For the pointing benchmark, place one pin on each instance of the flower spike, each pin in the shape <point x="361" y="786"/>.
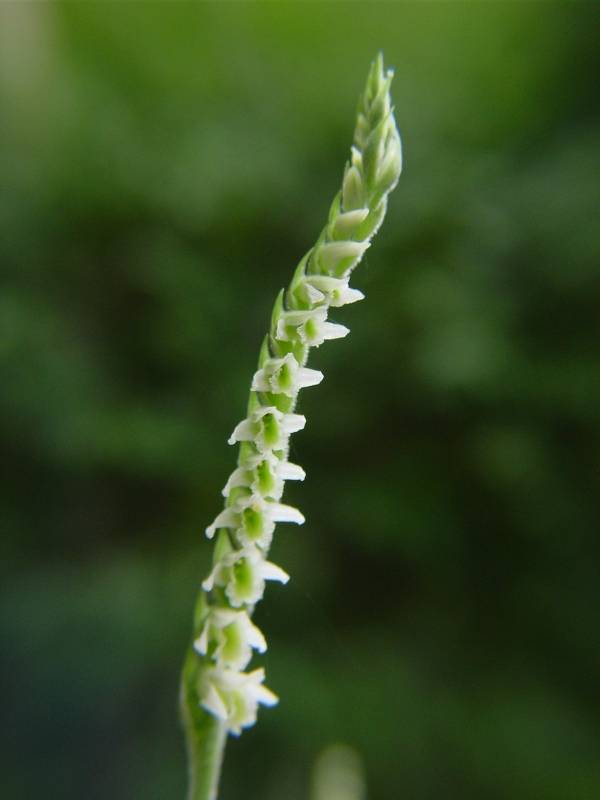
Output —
<point x="225" y="636"/>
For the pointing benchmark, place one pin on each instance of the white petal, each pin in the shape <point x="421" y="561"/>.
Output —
<point x="243" y="432"/>
<point x="265" y="696"/>
<point x="271" y="572"/>
<point x="281" y="332"/>
<point x="253" y="687"/>
<point x="255" y="636"/>
<point x="213" y="703"/>
<point x="208" y="583"/>
<point x="260" y="382"/>
<point x="282" y="513"/>
<point x="313" y="295"/>
<point x="332" y="253"/>
<point x="201" y="643"/>
<point x="239" y="477"/>
<point x="254" y="678"/>
<point x="291" y="423"/>
<point x="332" y="330"/>
<point x="345" y="296"/>
<point x="319" y="314"/>
<point x="309" y="377"/>
<point x="221" y="617"/>
<point x="291" y="472"/>
<point x="325" y="283"/>
<point x="345" y="223"/>
<point x="226" y="519"/>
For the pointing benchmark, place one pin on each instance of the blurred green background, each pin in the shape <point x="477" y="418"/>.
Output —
<point x="164" y="167"/>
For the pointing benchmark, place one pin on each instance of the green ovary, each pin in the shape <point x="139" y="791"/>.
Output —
<point x="232" y="645"/>
<point x="253" y="523"/>
<point x="243" y="576"/>
<point x="270" y="430"/>
<point x="284" y="377"/>
<point x="265" y="477"/>
<point x="310" y="330"/>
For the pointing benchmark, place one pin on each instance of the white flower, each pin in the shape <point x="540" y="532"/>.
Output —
<point x="311" y="327"/>
<point x="284" y="376"/>
<point x="233" y="697"/>
<point x="258" y="518"/>
<point x="269" y="428"/>
<point x="265" y="475"/>
<point x="242" y="573"/>
<point x="253" y="518"/>
<point x="235" y="636"/>
<point x="336" y="290"/>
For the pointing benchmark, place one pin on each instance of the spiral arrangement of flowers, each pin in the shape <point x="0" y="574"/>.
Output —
<point x="225" y="636"/>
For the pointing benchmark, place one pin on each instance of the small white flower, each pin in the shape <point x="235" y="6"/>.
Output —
<point x="234" y="697"/>
<point x="336" y="290"/>
<point x="265" y="475"/>
<point x="284" y="376"/>
<point x="242" y="573"/>
<point x="311" y="327"/>
<point x="258" y="517"/>
<point x="253" y="519"/>
<point x="269" y="428"/>
<point x="235" y="636"/>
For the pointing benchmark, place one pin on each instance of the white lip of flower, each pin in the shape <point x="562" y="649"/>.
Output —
<point x="284" y="376"/>
<point x="243" y="574"/>
<point x="336" y="291"/>
<point x="268" y="428"/>
<point x="264" y="474"/>
<point x="253" y="518"/>
<point x="233" y="697"/>
<point x="235" y="635"/>
<point x="311" y="327"/>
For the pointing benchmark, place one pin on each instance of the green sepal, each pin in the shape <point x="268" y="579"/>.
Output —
<point x="375" y="78"/>
<point x="335" y="208"/>
<point x="371" y="224"/>
<point x="277" y="347"/>
<point x="296" y="289"/>
<point x="265" y="353"/>
<point x="353" y="195"/>
<point x="280" y="401"/>
<point x="200" y="611"/>
<point x="380" y="106"/>
<point x="373" y="152"/>
<point x="223" y="545"/>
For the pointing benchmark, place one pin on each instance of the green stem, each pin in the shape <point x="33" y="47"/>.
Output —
<point x="204" y="734"/>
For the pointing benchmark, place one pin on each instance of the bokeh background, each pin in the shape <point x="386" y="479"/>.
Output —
<point x="164" y="167"/>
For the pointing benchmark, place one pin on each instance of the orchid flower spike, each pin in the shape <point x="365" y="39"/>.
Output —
<point x="215" y="686"/>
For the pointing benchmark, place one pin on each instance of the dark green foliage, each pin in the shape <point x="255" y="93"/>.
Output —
<point x="163" y="169"/>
